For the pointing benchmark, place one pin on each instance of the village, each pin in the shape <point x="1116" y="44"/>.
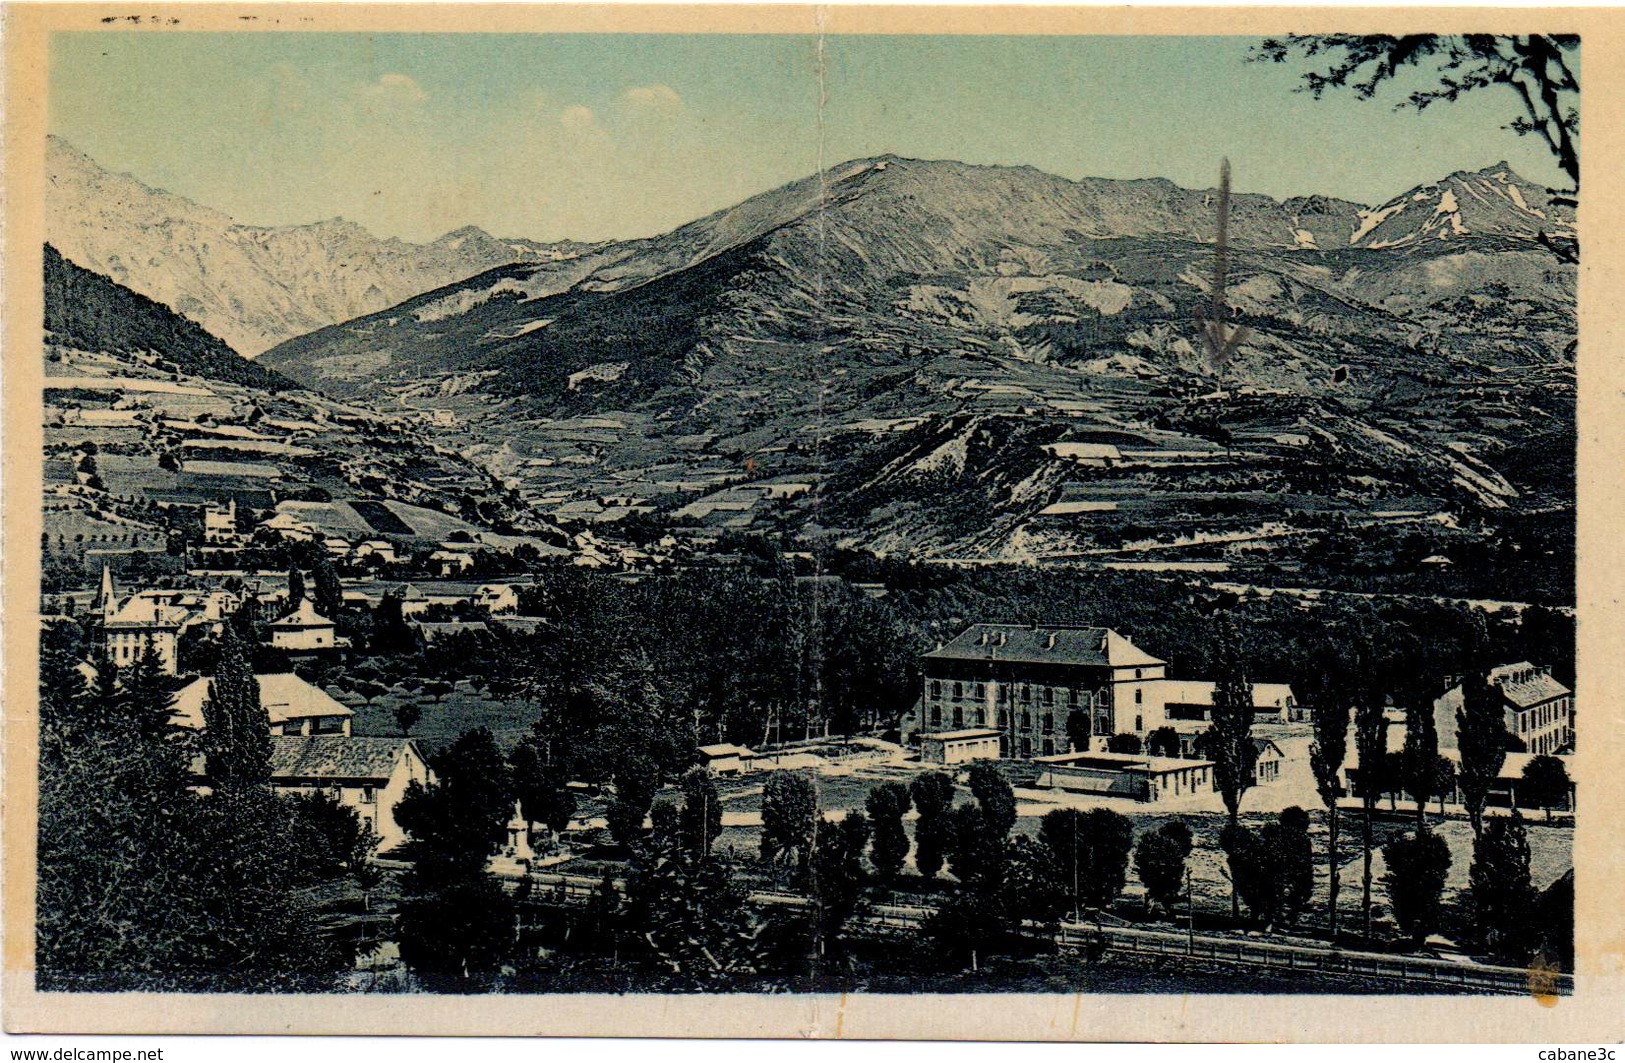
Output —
<point x="1071" y="720"/>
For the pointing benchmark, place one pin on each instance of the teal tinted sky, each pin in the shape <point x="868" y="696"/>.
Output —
<point x="613" y="136"/>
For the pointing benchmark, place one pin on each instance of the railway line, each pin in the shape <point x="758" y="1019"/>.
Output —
<point x="1096" y="941"/>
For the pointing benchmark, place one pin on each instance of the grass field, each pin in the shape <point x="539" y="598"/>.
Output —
<point x="443" y="721"/>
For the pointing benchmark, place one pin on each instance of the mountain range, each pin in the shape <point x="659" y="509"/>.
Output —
<point x="252" y="286"/>
<point x="949" y="255"/>
<point x="920" y="351"/>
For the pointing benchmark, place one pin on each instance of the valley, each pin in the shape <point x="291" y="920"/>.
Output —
<point x="993" y="365"/>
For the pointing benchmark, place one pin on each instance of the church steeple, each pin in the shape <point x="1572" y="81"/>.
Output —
<point x="106" y="598"/>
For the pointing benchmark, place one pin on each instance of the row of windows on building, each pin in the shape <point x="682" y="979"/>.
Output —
<point x="1075" y="698"/>
<point x="1542" y="715"/>
<point x="1548" y="743"/>
<point x="1048" y="747"/>
<point x="1024" y="720"/>
<point x="127" y="649"/>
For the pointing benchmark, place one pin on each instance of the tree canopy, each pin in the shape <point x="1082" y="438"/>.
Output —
<point x="1539" y="70"/>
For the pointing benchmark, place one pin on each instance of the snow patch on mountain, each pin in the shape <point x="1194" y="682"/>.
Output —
<point x="1370" y="219"/>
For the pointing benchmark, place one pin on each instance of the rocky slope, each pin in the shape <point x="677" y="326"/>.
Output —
<point x="827" y="330"/>
<point x="1491" y="202"/>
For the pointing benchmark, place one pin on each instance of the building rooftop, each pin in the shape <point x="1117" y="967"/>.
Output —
<point x="433" y="629"/>
<point x="725" y="749"/>
<point x="1130" y="762"/>
<point x="1200" y="692"/>
<point x="1524" y="685"/>
<point x="1043" y="644"/>
<point x="969" y="732"/>
<point x="336" y="757"/>
<point x="284" y="695"/>
<point x="304" y="616"/>
<point x="145" y="611"/>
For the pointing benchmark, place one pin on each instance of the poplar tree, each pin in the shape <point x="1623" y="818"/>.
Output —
<point x="1371" y="743"/>
<point x="237" y="729"/>
<point x="1230" y="733"/>
<point x="1503" y="894"/>
<point x="1329" y="718"/>
<point x="887" y="804"/>
<point x="1421" y="758"/>
<point x="1481" y="738"/>
<point x="933" y="795"/>
<point x="327" y="593"/>
<point x="701" y="819"/>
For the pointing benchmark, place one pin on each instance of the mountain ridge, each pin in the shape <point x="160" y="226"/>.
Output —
<point x="930" y="342"/>
<point x="253" y="286"/>
<point x="885" y="222"/>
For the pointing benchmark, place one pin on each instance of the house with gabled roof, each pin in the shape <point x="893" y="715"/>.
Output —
<point x="305" y="631"/>
<point x="293" y="706"/>
<point x="725" y="758"/>
<point x="154" y="620"/>
<point x="289" y="526"/>
<point x="370" y="775"/>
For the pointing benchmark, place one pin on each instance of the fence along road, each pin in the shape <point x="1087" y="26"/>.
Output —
<point x="1095" y="941"/>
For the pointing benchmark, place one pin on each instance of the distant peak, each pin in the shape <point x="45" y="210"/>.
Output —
<point x="1501" y="171"/>
<point x="465" y="232"/>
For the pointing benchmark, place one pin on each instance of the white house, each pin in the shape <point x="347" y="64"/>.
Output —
<point x="724" y="758"/>
<point x="498" y="598"/>
<point x="452" y="562"/>
<point x="1537" y="710"/>
<point x="220" y="523"/>
<point x="1128" y="775"/>
<point x="143" y="624"/>
<point x="153" y="620"/>
<point x="304" y="630"/>
<point x="289" y="526"/>
<point x="369" y="775"/>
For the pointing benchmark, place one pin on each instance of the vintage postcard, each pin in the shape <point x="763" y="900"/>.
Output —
<point x="863" y="522"/>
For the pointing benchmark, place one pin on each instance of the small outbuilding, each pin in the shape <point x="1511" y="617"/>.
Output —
<point x="1267" y="761"/>
<point x="958" y="747"/>
<point x="726" y="759"/>
<point x="1140" y="778"/>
